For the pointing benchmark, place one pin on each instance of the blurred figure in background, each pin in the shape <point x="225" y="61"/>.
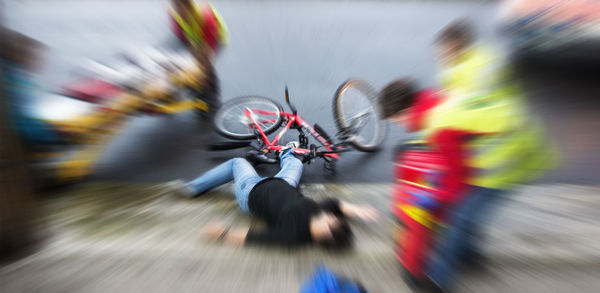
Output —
<point x="430" y="175"/>
<point x="21" y="58"/>
<point x="482" y="104"/>
<point x="18" y="206"/>
<point x="203" y="31"/>
<point x="199" y="27"/>
<point x="506" y="146"/>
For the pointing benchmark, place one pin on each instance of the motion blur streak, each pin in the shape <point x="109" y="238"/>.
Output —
<point x="101" y="104"/>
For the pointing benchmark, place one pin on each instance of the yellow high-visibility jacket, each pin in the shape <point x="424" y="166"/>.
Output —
<point x="480" y="98"/>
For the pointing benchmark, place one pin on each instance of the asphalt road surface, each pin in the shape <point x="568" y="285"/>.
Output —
<point x="310" y="46"/>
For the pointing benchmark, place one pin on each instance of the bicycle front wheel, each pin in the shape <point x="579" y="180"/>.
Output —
<point x="235" y="117"/>
<point x="358" y="114"/>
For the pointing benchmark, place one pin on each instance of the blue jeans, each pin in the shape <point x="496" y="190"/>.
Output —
<point x="245" y="177"/>
<point x="465" y="222"/>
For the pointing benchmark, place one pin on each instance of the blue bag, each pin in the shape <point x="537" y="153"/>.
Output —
<point x="325" y="281"/>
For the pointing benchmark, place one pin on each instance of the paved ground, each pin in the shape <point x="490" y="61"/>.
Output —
<point x="109" y="237"/>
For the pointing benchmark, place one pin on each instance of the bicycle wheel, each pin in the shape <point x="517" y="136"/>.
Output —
<point x="357" y="114"/>
<point x="232" y="122"/>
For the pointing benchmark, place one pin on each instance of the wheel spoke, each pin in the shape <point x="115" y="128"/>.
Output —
<point x="357" y="112"/>
<point x="234" y="119"/>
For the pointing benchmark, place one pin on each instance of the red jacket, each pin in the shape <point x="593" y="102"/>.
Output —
<point x="451" y="144"/>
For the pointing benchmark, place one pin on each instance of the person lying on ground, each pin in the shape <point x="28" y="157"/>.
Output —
<point x="292" y="219"/>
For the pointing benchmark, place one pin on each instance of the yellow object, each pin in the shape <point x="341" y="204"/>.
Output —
<point x="223" y="31"/>
<point x="420" y="215"/>
<point x="184" y="106"/>
<point x="192" y="27"/>
<point x="416" y="184"/>
<point x="74" y="170"/>
<point x="481" y="99"/>
<point x="79" y="164"/>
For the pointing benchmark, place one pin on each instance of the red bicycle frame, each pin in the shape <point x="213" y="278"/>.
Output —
<point x="290" y="119"/>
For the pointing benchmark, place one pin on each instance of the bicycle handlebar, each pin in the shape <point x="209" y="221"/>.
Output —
<point x="287" y="100"/>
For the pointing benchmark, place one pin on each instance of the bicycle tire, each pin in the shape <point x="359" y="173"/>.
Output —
<point x="370" y="96"/>
<point x="219" y="117"/>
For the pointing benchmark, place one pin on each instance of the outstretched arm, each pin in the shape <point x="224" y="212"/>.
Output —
<point x="220" y="232"/>
<point x="363" y="212"/>
<point x="342" y="208"/>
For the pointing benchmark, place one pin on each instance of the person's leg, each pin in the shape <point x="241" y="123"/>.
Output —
<point x="291" y="168"/>
<point x="245" y="178"/>
<point x="221" y="174"/>
<point x="472" y="252"/>
<point x="214" y="177"/>
<point x="443" y="268"/>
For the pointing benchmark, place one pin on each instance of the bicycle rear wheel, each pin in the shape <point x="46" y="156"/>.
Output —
<point x="232" y="121"/>
<point x="358" y="114"/>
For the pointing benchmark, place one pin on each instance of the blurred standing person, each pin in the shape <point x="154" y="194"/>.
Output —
<point x="18" y="204"/>
<point x="507" y="146"/>
<point x="202" y="30"/>
<point x="481" y="102"/>
<point x="21" y="58"/>
<point x="199" y="27"/>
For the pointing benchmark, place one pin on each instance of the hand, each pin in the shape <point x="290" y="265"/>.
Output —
<point x="366" y="213"/>
<point x="213" y="230"/>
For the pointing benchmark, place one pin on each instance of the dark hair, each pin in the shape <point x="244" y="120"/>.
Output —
<point x="397" y="96"/>
<point x="341" y="236"/>
<point x="458" y="31"/>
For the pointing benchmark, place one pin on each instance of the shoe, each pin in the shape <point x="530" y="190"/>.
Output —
<point x="288" y="148"/>
<point x="179" y="188"/>
<point x="421" y="284"/>
<point x="256" y="157"/>
<point x="414" y="283"/>
<point x="475" y="261"/>
<point x="430" y="286"/>
<point x="291" y="145"/>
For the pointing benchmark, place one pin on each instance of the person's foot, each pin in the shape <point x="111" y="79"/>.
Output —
<point x="474" y="261"/>
<point x="291" y="145"/>
<point x="430" y="286"/>
<point x="289" y="148"/>
<point x="414" y="283"/>
<point x="256" y="157"/>
<point x="179" y="188"/>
